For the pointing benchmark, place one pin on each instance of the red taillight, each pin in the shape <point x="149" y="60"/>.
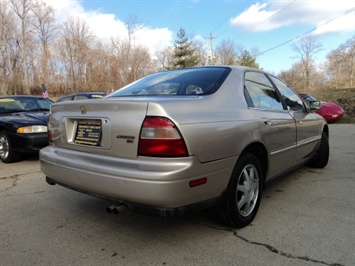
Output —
<point x="160" y="137"/>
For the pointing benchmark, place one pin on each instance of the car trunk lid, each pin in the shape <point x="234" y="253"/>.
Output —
<point x="109" y="127"/>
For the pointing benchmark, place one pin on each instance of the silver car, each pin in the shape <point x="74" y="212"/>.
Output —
<point x="184" y="140"/>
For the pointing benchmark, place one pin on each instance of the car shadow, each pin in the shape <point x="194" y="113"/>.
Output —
<point x="30" y="157"/>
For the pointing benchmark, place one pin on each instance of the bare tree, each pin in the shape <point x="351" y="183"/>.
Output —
<point x="295" y="77"/>
<point x="227" y="53"/>
<point x="334" y="68"/>
<point x="341" y="63"/>
<point x="133" y="25"/>
<point x="306" y="49"/>
<point x="75" y="44"/>
<point x="45" y="27"/>
<point x="119" y="62"/>
<point x="350" y="48"/>
<point x="141" y="63"/>
<point x="203" y="57"/>
<point x="7" y="40"/>
<point x="164" y="58"/>
<point x="22" y="9"/>
<point x="99" y="68"/>
<point x="32" y="52"/>
<point x="127" y="69"/>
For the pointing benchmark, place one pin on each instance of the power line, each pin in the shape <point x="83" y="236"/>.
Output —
<point x="243" y="33"/>
<point x="246" y="2"/>
<point x="307" y="32"/>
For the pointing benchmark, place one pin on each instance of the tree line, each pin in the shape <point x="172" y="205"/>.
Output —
<point x="67" y="57"/>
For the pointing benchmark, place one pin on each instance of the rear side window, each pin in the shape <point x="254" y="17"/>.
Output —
<point x="260" y="93"/>
<point x="189" y="81"/>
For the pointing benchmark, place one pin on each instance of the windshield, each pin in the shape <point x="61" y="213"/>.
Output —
<point x="13" y="104"/>
<point x="189" y="81"/>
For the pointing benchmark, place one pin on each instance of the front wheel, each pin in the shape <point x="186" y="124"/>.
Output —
<point x="243" y="194"/>
<point x="7" y="155"/>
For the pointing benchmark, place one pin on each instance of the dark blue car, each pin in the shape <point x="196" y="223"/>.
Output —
<point x="81" y="96"/>
<point x="23" y="126"/>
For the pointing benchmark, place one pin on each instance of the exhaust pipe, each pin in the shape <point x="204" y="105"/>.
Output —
<point x="116" y="209"/>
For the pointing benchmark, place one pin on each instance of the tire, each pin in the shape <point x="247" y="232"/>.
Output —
<point x="243" y="195"/>
<point x="322" y="157"/>
<point x="7" y="155"/>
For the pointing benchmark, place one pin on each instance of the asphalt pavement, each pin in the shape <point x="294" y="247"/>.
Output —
<point x="306" y="218"/>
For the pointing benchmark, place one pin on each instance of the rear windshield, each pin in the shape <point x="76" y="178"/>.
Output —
<point x="188" y="81"/>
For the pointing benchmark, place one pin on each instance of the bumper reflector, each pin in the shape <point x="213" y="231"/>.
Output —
<point x="198" y="182"/>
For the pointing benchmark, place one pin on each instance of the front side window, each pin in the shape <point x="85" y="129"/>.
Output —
<point x="260" y="93"/>
<point x="292" y="100"/>
<point x="189" y="81"/>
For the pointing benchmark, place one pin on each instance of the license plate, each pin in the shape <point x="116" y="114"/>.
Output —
<point x="88" y="132"/>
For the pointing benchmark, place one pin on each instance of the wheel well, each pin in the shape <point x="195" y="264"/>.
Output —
<point x="326" y="130"/>
<point x="260" y="152"/>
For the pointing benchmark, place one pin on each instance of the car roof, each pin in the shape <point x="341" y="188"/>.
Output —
<point x="85" y="93"/>
<point x="20" y="96"/>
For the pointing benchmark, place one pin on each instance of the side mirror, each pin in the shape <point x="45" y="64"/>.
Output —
<point x="315" y="105"/>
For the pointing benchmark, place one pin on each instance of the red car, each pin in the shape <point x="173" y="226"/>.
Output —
<point x="330" y="111"/>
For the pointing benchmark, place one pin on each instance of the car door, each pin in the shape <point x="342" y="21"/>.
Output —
<point x="307" y="124"/>
<point x="277" y="126"/>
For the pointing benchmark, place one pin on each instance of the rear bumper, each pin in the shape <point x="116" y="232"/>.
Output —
<point x="141" y="183"/>
<point x="151" y="210"/>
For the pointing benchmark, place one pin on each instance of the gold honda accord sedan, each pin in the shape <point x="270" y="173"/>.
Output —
<point x="184" y="140"/>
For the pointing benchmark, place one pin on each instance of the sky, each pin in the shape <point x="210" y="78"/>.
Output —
<point x="270" y="26"/>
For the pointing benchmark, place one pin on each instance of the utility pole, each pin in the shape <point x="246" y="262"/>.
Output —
<point x="211" y="41"/>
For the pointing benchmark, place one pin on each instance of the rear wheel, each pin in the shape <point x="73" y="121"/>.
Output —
<point x="322" y="156"/>
<point x="243" y="194"/>
<point x="7" y="155"/>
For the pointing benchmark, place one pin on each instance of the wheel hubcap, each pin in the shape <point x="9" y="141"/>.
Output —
<point x="4" y="147"/>
<point x="247" y="190"/>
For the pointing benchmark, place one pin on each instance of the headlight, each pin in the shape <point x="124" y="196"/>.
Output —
<point x="32" y="129"/>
